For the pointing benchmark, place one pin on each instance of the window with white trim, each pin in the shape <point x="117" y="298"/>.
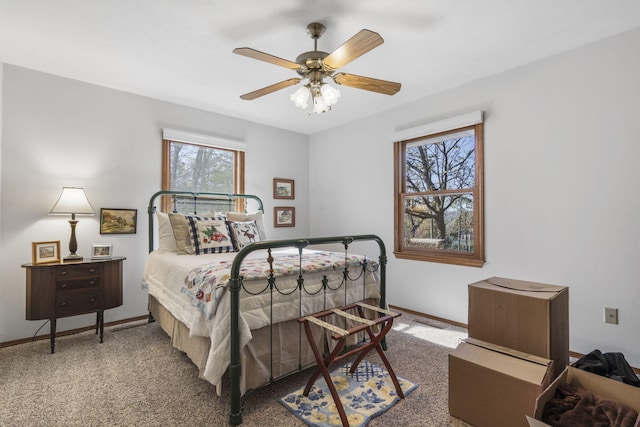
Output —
<point x="439" y="197"/>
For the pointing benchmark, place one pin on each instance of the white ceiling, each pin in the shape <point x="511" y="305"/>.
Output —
<point x="181" y="50"/>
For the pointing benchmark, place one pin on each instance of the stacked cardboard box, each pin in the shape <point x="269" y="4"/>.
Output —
<point x="494" y="386"/>
<point x="525" y="316"/>
<point x="518" y="343"/>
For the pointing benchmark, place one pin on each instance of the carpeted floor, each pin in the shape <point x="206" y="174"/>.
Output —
<point x="137" y="379"/>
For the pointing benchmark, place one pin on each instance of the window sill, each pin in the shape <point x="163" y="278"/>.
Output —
<point x="467" y="261"/>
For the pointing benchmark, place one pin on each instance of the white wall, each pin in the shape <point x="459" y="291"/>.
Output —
<point x="562" y="143"/>
<point x="1" y="86"/>
<point x="59" y="132"/>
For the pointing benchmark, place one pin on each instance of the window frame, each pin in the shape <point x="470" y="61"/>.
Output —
<point x="238" y="179"/>
<point x="472" y="259"/>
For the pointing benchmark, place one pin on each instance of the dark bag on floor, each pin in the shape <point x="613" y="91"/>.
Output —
<point x="611" y="365"/>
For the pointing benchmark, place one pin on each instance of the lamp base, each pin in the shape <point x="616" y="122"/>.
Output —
<point x="72" y="258"/>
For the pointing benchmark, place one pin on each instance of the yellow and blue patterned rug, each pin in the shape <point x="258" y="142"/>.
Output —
<point x="365" y="394"/>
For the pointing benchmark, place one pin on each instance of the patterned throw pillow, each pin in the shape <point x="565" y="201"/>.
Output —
<point x="243" y="233"/>
<point x="256" y="216"/>
<point x="209" y="235"/>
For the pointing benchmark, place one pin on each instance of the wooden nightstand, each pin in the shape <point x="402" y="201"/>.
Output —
<point x="70" y="289"/>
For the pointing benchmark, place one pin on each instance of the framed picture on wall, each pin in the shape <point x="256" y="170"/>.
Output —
<point x="284" y="217"/>
<point x="283" y="188"/>
<point x="118" y="221"/>
<point x="45" y="252"/>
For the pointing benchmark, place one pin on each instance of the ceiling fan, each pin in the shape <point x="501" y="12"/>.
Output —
<point x="315" y="66"/>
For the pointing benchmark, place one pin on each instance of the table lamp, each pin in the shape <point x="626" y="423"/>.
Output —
<point x="72" y="201"/>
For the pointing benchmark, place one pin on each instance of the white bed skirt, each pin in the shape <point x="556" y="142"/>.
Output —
<point x="290" y="348"/>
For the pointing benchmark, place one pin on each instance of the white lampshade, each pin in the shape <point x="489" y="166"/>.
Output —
<point x="72" y="200"/>
<point x="330" y="94"/>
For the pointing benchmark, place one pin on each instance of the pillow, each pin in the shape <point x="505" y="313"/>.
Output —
<point x="181" y="233"/>
<point x="256" y="216"/>
<point x="243" y="233"/>
<point x="209" y="235"/>
<point x="166" y="239"/>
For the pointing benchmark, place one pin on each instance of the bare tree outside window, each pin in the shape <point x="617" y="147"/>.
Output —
<point x="438" y="197"/>
<point x="200" y="169"/>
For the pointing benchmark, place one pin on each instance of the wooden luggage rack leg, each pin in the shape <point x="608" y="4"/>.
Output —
<point x="339" y="335"/>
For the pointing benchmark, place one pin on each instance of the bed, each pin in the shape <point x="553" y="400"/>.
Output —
<point x="230" y="298"/>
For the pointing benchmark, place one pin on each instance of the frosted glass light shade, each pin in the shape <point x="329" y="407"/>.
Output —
<point x="330" y="94"/>
<point x="319" y="106"/>
<point x="300" y="97"/>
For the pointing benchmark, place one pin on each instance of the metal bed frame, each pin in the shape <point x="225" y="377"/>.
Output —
<point x="236" y="280"/>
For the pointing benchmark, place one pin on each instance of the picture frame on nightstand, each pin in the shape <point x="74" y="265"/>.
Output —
<point x="45" y="252"/>
<point x="101" y="251"/>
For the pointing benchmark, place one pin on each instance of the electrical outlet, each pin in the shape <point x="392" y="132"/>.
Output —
<point x="611" y="315"/>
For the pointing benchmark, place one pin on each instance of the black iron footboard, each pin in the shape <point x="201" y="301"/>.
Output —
<point x="235" y="286"/>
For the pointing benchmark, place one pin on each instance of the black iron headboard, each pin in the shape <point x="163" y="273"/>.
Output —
<point x="193" y="198"/>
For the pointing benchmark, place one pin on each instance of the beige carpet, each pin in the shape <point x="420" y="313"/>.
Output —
<point x="137" y="379"/>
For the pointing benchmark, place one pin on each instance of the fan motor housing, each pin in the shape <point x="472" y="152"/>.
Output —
<point x="312" y="60"/>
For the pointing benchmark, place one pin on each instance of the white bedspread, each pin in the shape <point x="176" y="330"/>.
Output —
<point x="165" y="274"/>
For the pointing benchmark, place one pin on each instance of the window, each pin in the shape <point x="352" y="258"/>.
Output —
<point x="439" y="197"/>
<point x="199" y="167"/>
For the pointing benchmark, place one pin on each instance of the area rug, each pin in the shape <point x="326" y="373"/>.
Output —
<point x="365" y="394"/>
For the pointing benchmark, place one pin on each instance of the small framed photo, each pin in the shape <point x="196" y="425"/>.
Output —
<point x="45" y="252"/>
<point x="284" y="217"/>
<point x="283" y="188"/>
<point x="101" y="251"/>
<point x="118" y="221"/>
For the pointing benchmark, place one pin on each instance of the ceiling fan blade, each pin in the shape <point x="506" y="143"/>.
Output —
<point x="261" y="56"/>
<point x="367" y="83"/>
<point x="356" y="46"/>
<point x="270" y="89"/>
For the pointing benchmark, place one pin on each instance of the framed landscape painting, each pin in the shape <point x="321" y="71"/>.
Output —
<point x="45" y="252"/>
<point x="118" y="221"/>
<point x="283" y="188"/>
<point x="284" y="217"/>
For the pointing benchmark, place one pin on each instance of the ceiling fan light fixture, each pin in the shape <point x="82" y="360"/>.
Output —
<point x="322" y="96"/>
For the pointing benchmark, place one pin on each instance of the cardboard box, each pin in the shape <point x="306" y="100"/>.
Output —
<point x="596" y="384"/>
<point x="494" y="386"/>
<point x="525" y="316"/>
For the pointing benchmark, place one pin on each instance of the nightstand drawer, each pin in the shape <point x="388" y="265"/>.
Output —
<point x="77" y="302"/>
<point x="68" y="285"/>
<point x="78" y="270"/>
